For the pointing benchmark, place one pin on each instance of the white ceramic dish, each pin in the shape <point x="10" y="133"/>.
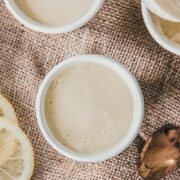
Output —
<point x="157" y="8"/>
<point x="137" y="116"/>
<point x="28" y="22"/>
<point x="158" y="37"/>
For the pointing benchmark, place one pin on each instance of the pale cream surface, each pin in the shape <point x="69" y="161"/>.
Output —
<point x="168" y="28"/>
<point x="55" y="12"/>
<point x="89" y="108"/>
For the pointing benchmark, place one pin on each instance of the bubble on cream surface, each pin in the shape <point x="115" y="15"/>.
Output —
<point x="89" y="108"/>
<point x="55" y="12"/>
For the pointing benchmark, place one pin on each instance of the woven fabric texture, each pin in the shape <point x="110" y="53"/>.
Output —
<point x="117" y="31"/>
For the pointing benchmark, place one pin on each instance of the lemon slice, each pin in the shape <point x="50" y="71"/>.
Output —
<point x="6" y="110"/>
<point x="16" y="153"/>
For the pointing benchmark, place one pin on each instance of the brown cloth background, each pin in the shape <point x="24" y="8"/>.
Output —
<point x="117" y="31"/>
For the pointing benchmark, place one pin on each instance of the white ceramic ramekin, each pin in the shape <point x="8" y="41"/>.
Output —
<point x="137" y="114"/>
<point x="158" y="37"/>
<point x="34" y="25"/>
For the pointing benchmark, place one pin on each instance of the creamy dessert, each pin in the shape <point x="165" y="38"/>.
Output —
<point x="168" y="28"/>
<point x="89" y="108"/>
<point x="166" y="16"/>
<point x="55" y="12"/>
<point x="166" y="9"/>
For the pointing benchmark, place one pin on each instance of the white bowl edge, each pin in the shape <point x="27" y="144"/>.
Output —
<point x="157" y="36"/>
<point x="31" y="24"/>
<point x="128" y="138"/>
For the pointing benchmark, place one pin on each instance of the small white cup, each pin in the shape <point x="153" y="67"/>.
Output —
<point x="158" y="37"/>
<point x="34" y="25"/>
<point x="137" y="114"/>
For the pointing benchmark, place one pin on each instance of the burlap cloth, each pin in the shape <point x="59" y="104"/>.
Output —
<point x="117" y="31"/>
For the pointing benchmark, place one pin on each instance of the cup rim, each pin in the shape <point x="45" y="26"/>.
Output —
<point x="154" y="32"/>
<point x="137" y="115"/>
<point x="34" y="25"/>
